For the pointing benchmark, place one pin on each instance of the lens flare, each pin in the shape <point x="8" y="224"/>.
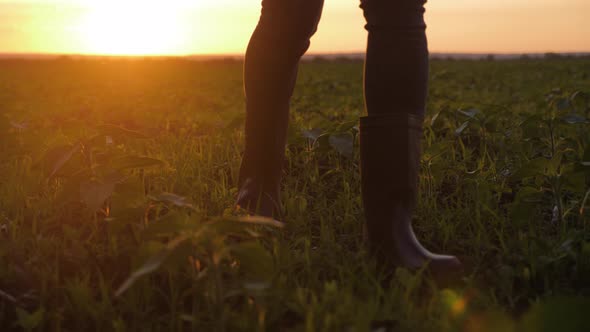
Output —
<point x="133" y="28"/>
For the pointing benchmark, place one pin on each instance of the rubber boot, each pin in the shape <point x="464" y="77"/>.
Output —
<point x="390" y="161"/>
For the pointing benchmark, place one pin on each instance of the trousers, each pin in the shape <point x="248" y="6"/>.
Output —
<point x="396" y="65"/>
<point x="395" y="71"/>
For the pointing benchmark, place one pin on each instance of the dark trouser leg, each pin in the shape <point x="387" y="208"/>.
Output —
<point x="396" y="75"/>
<point x="396" y="67"/>
<point x="280" y="39"/>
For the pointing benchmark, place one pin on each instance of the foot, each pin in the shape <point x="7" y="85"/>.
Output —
<point x="413" y="255"/>
<point x="255" y="200"/>
<point x="404" y="250"/>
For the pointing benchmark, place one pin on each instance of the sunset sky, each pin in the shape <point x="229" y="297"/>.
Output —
<point x="181" y="27"/>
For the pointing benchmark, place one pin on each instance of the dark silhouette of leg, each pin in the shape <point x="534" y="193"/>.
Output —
<point x="396" y="78"/>
<point x="270" y="71"/>
<point x="396" y="66"/>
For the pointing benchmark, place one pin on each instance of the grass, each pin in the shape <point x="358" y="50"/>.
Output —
<point x="118" y="182"/>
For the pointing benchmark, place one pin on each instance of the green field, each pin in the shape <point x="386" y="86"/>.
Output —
<point x="118" y="178"/>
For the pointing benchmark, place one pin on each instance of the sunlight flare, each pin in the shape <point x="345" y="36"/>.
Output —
<point x="133" y="28"/>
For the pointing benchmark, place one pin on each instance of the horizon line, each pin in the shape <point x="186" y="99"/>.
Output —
<point x="351" y="54"/>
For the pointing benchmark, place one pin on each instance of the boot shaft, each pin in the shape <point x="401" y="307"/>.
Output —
<point x="390" y="161"/>
<point x="390" y="156"/>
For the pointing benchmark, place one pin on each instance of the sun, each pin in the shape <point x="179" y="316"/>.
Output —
<point x="133" y="28"/>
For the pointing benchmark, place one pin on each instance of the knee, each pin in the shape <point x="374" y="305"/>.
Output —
<point x="290" y="24"/>
<point x="394" y="14"/>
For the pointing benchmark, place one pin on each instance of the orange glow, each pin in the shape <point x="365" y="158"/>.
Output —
<point x="180" y="27"/>
<point x="458" y="307"/>
<point x="127" y="28"/>
<point x="455" y="303"/>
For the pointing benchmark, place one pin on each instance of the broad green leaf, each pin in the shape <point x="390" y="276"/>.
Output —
<point x="574" y="181"/>
<point x="80" y="294"/>
<point x="533" y="127"/>
<point x="56" y="158"/>
<point x="529" y="195"/>
<point x="131" y="162"/>
<point x="435" y="150"/>
<point x="580" y="101"/>
<point x="256" y="287"/>
<point x="7" y="297"/>
<point x="240" y="225"/>
<point x="343" y="143"/>
<point x="98" y="141"/>
<point x="472" y="113"/>
<point x="29" y="321"/>
<point x="532" y="168"/>
<point x="115" y="177"/>
<point x="525" y="203"/>
<point x="94" y="193"/>
<point x="255" y="261"/>
<point x="460" y="130"/>
<point x="152" y="264"/>
<point x="259" y="220"/>
<point x="434" y="118"/>
<point x="19" y="125"/>
<point x="554" y="164"/>
<point x="574" y="119"/>
<point x="119" y="132"/>
<point x="323" y="142"/>
<point x="301" y="204"/>
<point x="173" y="223"/>
<point x="312" y="134"/>
<point x="346" y="126"/>
<point x="496" y="321"/>
<point x="226" y="227"/>
<point x="173" y="199"/>
<point x="520" y="213"/>
<point x="562" y="104"/>
<point x="129" y="197"/>
<point x="70" y="189"/>
<point x="564" y="314"/>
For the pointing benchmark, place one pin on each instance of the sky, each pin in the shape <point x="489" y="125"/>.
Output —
<point x="183" y="27"/>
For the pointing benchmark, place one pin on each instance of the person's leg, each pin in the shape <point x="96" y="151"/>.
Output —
<point x="276" y="46"/>
<point x="396" y="78"/>
<point x="396" y="67"/>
